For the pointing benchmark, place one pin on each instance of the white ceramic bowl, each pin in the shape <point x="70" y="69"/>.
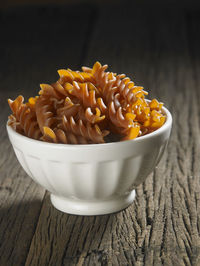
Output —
<point x="91" y="179"/>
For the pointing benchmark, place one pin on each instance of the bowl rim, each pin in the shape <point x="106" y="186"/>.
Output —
<point x="157" y="132"/>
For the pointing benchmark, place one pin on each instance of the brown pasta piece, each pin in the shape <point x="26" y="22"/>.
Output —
<point x="128" y="90"/>
<point x="59" y="136"/>
<point x="88" y="99"/>
<point x="102" y="106"/>
<point x="125" y="123"/>
<point x="49" y="91"/>
<point x="68" y="108"/>
<point x="56" y="136"/>
<point x="55" y="90"/>
<point x="45" y="112"/>
<point x="94" y="118"/>
<point x="112" y="84"/>
<point x="81" y="91"/>
<point x="76" y="110"/>
<point x="16" y="104"/>
<point x="87" y="131"/>
<point x="99" y="73"/>
<point x="117" y="118"/>
<point x="15" y="124"/>
<point x="25" y="117"/>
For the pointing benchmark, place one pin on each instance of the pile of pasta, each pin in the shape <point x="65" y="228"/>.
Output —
<point x="92" y="106"/>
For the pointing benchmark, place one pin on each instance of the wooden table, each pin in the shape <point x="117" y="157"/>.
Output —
<point x="159" y="48"/>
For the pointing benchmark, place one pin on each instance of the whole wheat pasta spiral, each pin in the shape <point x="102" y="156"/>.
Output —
<point x="45" y="112"/>
<point x="69" y="108"/>
<point x="12" y="121"/>
<point x="111" y="84"/>
<point x="92" y="106"/>
<point x="82" y="92"/>
<point x="87" y="131"/>
<point x="77" y="110"/>
<point x="60" y="136"/>
<point x="94" y="117"/>
<point x="55" y="90"/>
<point x="25" y="118"/>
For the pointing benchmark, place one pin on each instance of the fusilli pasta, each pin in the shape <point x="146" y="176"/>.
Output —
<point x="25" y="118"/>
<point x="92" y="106"/>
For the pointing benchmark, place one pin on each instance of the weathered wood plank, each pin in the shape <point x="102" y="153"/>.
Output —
<point x="34" y="43"/>
<point x="162" y="225"/>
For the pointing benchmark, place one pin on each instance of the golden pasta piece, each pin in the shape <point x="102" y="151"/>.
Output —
<point x="154" y="104"/>
<point x="31" y="102"/>
<point x="67" y="75"/>
<point x="49" y="134"/>
<point x="132" y="133"/>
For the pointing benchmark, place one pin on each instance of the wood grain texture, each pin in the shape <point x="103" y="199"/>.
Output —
<point x="162" y="227"/>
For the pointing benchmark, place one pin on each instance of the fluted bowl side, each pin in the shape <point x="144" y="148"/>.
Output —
<point x="91" y="174"/>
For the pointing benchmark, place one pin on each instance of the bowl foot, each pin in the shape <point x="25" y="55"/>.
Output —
<point x="95" y="207"/>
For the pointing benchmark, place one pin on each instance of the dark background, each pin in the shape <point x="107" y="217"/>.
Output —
<point x="9" y="3"/>
<point x="37" y="37"/>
